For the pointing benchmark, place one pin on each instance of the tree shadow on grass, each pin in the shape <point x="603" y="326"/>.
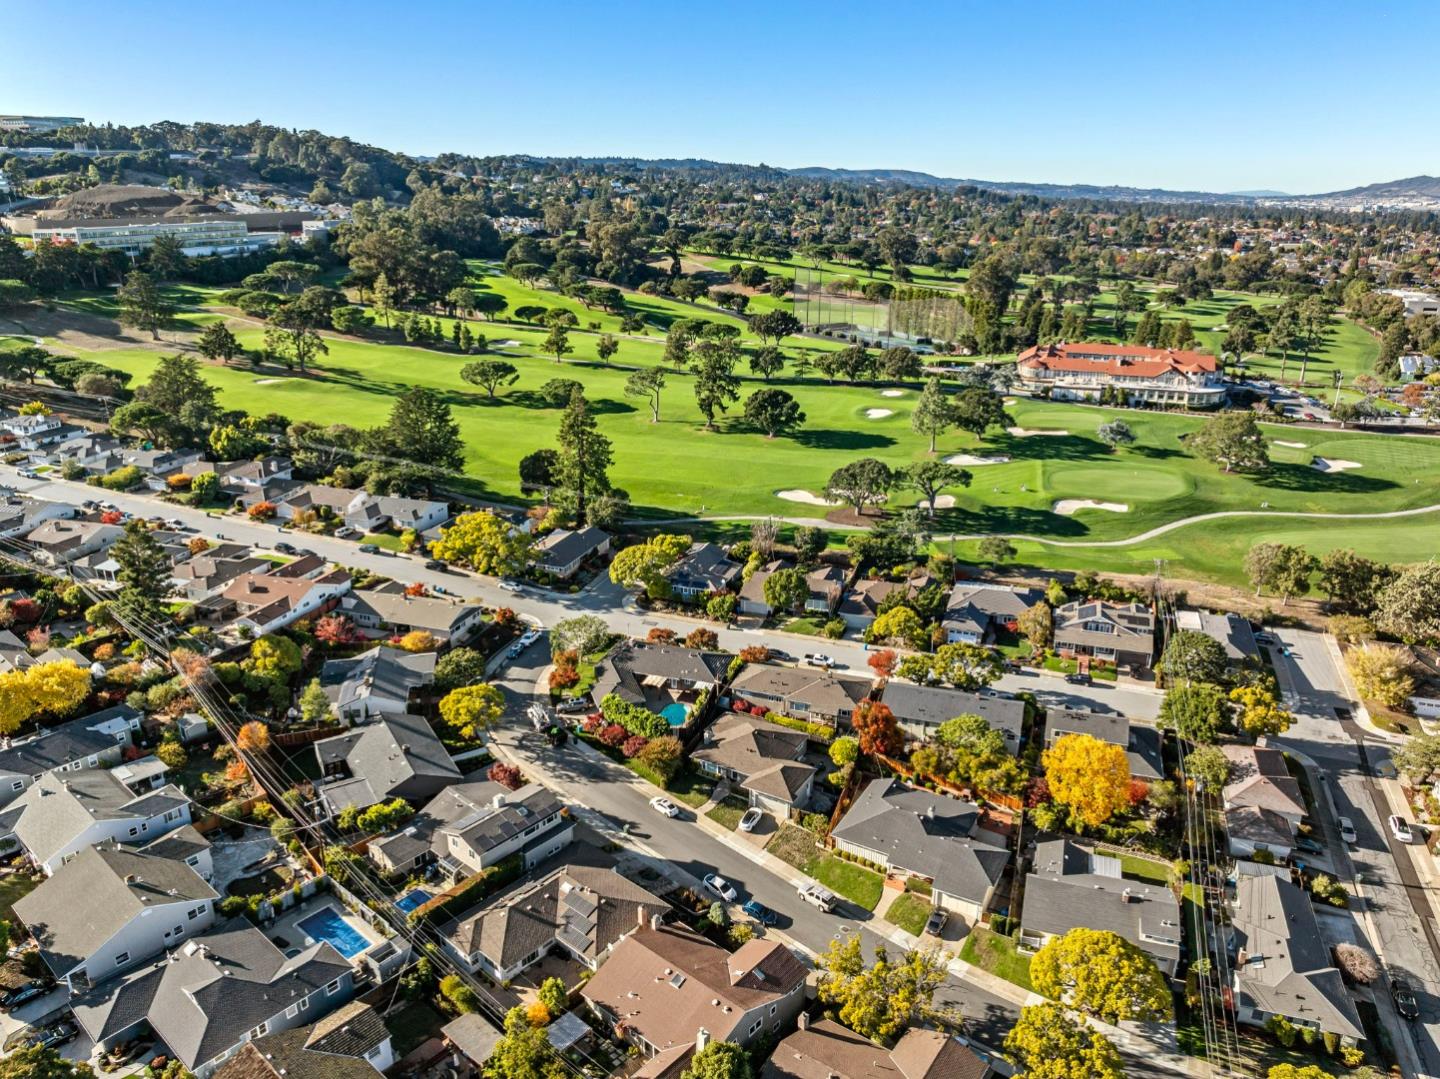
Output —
<point x="1024" y="520"/>
<point x="1292" y="477"/>
<point x="1049" y="447"/>
<point x="842" y="440"/>
<point x="603" y="406"/>
<point x="1156" y="453"/>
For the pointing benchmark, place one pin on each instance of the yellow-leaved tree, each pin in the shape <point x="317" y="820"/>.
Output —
<point x="1090" y="776"/>
<point x="1049" y="1043"/>
<point x="484" y="542"/>
<point x="48" y="689"/>
<point x="471" y="710"/>
<point x="1102" y="974"/>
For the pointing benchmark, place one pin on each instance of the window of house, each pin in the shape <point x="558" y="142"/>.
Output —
<point x="332" y="988"/>
<point x="195" y="912"/>
<point x="292" y="1011"/>
<point x="123" y="957"/>
<point x="755" y="1027"/>
<point x="134" y="831"/>
<point x="18" y="785"/>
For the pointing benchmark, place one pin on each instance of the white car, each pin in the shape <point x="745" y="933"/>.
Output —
<point x="752" y="818"/>
<point x="1347" y="831"/>
<point x="529" y="637"/>
<point x="721" y="887"/>
<point x="510" y="586"/>
<point x="664" y="807"/>
<point x="1400" y="829"/>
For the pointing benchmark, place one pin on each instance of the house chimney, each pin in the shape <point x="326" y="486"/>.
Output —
<point x="642" y="916"/>
<point x="802" y="1021"/>
<point x="498" y="801"/>
<point x="656" y="921"/>
<point x="702" y="1039"/>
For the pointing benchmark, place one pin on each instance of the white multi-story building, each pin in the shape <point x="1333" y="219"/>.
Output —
<point x="1159" y="376"/>
<point x="216" y="235"/>
<point x="1415" y="301"/>
<point x="38" y="124"/>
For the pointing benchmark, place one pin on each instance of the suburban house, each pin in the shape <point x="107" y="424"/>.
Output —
<point x="918" y="833"/>
<point x="209" y="572"/>
<point x="357" y="509"/>
<point x="560" y="552"/>
<point x="58" y="541"/>
<point x="63" y="814"/>
<point x="386" y="609"/>
<point x="974" y="609"/>
<point x="184" y="844"/>
<point x="275" y="598"/>
<point x="1141" y="744"/>
<point x="20" y="514"/>
<point x="860" y="604"/>
<point x="468" y="827"/>
<point x="1070" y="886"/>
<point x="807" y="693"/>
<point x="351" y="1042"/>
<point x="385" y="757"/>
<point x="827" y="587"/>
<point x="157" y="464"/>
<point x="919" y="710"/>
<point x="705" y="568"/>
<point x="1082" y="370"/>
<point x="651" y="675"/>
<point x="823" y="1049"/>
<point x="578" y="911"/>
<point x="93" y="741"/>
<point x="1262" y="801"/>
<point x="240" y="477"/>
<point x="15" y="654"/>
<point x="671" y="992"/>
<point x="93" y="451"/>
<point x="216" y="992"/>
<point x="382" y="681"/>
<point x="36" y="431"/>
<point x="110" y="908"/>
<point x="1281" y="960"/>
<point x="1123" y="634"/>
<point x="763" y="759"/>
<point x="1228" y="629"/>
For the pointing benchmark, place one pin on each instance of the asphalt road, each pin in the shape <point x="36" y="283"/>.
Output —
<point x="1399" y="911"/>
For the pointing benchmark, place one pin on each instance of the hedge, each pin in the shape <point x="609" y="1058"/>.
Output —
<point x="469" y="891"/>
<point x="633" y="718"/>
<point x="817" y="731"/>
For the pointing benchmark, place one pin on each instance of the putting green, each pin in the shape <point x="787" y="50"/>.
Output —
<point x="1119" y="482"/>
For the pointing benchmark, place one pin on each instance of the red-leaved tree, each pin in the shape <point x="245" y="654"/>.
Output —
<point x="877" y="730"/>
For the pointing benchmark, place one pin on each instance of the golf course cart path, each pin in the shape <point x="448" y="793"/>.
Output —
<point x="1159" y="530"/>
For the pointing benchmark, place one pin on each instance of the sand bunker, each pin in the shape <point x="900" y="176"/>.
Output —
<point x="878" y="413"/>
<point x="1067" y="506"/>
<point x="972" y="459"/>
<point x="942" y="502"/>
<point x="269" y="381"/>
<point x="892" y="393"/>
<point x="1328" y="464"/>
<point x="506" y="343"/>
<point x="1031" y="432"/>
<point x="1291" y="445"/>
<point x="806" y="497"/>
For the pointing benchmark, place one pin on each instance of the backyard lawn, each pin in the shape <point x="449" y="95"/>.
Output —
<point x="14" y="887"/>
<point x="998" y="955"/>
<point x="909" y="912"/>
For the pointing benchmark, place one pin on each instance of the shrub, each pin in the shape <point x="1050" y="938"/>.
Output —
<point x="663" y="756"/>
<point x="507" y="775"/>
<point x="834" y="629"/>
<point x="1356" y="963"/>
<point x="458" y="995"/>
<point x="564" y="677"/>
<point x="703" y="638"/>
<point x="122" y="479"/>
<point x="633" y="718"/>
<point x="633" y="745"/>
<point x="613" y="735"/>
<point x="817" y="731"/>
<point x="660" y="635"/>
<point x="755" y="653"/>
<point x="262" y="511"/>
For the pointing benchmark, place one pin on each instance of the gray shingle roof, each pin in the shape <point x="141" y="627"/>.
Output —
<point x="384" y="673"/>
<point x="60" y="807"/>
<point x="930" y="706"/>
<point x="206" y="994"/>
<point x="705" y="567"/>
<point x="924" y="833"/>
<point x="564" y="545"/>
<point x="972" y="606"/>
<point x="333" y="1048"/>
<point x="54" y="748"/>
<point x="1282" y="961"/>
<point x="96" y="894"/>
<point x="825" y="693"/>
<point x="1141" y="744"/>
<point x="1132" y="626"/>
<point x="1069" y="887"/>
<point x="631" y="662"/>
<point x="1228" y="629"/>
<point x="395" y="754"/>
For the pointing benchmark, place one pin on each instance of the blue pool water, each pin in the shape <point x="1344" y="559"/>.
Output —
<point x="675" y="714"/>
<point x="328" y="925"/>
<point x="413" y="899"/>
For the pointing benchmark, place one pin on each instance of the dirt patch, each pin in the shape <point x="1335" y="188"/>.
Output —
<point x="81" y="331"/>
<point x="942" y="502"/>
<point x="1291" y="445"/>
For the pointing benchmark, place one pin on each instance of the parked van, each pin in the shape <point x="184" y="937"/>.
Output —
<point x="817" y="896"/>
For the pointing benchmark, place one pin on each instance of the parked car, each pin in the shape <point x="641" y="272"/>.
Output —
<point x="1309" y="845"/>
<point x="510" y="586"/>
<point x="28" y="473"/>
<point x="1078" y="678"/>
<point x="1347" y="831"/>
<point x="285" y="548"/>
<point x="573" y="704"/>
<point x="21" y="994"/>
<point x="781" y="656"/>
<point x="760" y="912"/>
<point x="936" y="922"/>
<point x="1403" y="995"/>
<point x="1386" y="769"/>
<point x="752" y="818"/>
<point x="817" y="896"/>
<point x="61" y="1033"/>
<point x="721" y="887"/>
<point x="369" y="548"/>
<point x="664" y="807"/>
<point x="1400" y="829"/>
<point x="346" y="532"/>
<point x="436" y="564"/>
<point x="529" y="637"/>
<point x="819" y="659"/>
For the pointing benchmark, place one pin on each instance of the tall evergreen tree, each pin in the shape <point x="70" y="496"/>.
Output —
<point x="142" y="305"/>
<point x="144" y="574"/>
<point x="421" y="429"/>
<point x="585" y="455"/>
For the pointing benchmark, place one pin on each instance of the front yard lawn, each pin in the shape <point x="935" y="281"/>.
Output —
<point x="386" y="541"/>
<point x="812" y="626"/>
<point x="795" y="846"/>
<point x="728" y="813"/>
<point x="691" y="787"/>
<point x="909" y="912"/>
<point x="13" y="888"/>
<point x="998" y="955"/>
<point x="1069" y="666"/>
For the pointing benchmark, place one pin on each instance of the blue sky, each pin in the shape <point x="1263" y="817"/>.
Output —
<point x="1295" y="96"/>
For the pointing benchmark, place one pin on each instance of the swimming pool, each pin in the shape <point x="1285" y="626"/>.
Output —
<point x="675" y="714"/>
<point x="328" y="925"/>
<point x="413" y="899"/>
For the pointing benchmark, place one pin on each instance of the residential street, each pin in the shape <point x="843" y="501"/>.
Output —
<point x="1400" y="920"/>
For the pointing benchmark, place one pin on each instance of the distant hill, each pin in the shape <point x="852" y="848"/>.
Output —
<point x="1050" y="191"/>
<point x="1421" y="187"/>
<point x="1262" y="193"/>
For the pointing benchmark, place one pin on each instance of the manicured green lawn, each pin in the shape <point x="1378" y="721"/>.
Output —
<point x="813" y="626"/>
<point x="856" y="883"/>
<point x="1144" y="869"/>
<point x="909" y="912"/>
<point x="386" y="541"/>
<point x="998" y="955"/>
<point x="691" y="787"/>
